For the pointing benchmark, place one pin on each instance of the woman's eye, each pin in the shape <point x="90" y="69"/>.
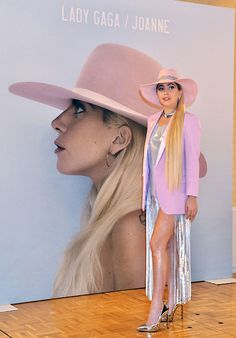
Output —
<point x="160" y="89"/>
<point x="79" y="110"/>
<point x="171" y="87"/>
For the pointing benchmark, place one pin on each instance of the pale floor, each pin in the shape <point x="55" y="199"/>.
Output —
<point x="211" y="313"/>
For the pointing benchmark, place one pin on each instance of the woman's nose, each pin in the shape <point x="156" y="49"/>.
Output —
<point x="58" y="124"/>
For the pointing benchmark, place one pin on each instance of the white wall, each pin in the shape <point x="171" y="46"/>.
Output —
<point x="234" y="239"/>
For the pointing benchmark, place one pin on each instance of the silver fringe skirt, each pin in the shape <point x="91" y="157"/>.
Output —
<point x="181" y="254"/>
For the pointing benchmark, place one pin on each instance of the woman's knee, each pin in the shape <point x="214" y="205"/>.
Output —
<point x="157" y="246"/>
<point x="162" y="234"/>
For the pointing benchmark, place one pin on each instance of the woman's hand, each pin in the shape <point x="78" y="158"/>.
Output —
<point x="191" y="207"/>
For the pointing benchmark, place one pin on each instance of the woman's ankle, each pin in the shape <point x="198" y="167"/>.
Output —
<point x="171" y="307"/>
<point x="155" y="312"/>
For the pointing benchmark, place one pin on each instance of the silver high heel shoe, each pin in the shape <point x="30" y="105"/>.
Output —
<point x="170" y="316"/>
<point x="155" y="327"/>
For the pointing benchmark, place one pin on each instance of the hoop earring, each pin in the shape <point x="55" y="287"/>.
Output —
<point x="178" y="101"/>
<point x="107" y="159"/>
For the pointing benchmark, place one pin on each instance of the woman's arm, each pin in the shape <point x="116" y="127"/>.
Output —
<point x="192" y="153"/>
<point x="192" y="133"/>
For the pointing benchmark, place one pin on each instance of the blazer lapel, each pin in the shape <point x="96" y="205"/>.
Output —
<point x="163" y="143"/>
<point x="152" y="120"/>
<point x="152" y="124"/>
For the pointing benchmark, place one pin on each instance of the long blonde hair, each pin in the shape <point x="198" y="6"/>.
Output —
<point x="81" y="271"/>
<point x="174" y="142"/>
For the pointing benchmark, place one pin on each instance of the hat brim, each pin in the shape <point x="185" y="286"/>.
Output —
<point x="148" y="92"/>
<point x="61" y="98"/>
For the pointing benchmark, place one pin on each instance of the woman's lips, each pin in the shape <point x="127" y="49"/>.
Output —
<point x="59" y="148"/>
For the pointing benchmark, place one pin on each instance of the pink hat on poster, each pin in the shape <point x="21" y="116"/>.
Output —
<point x="110" y="78"/>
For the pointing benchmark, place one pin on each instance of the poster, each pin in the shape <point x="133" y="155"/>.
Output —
<point x="50" y="42"/>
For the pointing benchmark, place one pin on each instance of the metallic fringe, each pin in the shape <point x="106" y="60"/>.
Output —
<point x="181" y="255"/>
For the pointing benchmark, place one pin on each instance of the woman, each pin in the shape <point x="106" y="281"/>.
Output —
<point x="101" y="134"/>
<point x="170" y="190"/>
<point x="106" y="147"/>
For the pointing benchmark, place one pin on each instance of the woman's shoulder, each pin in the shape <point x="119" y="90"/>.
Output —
<point x="188" y="115"/>
<point x="128" y="251"/>
<point x="190" y="118"/>
<point x="152" y="118"/>
<point x="128" y="226"/>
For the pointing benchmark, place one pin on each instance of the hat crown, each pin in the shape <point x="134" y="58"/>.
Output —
<point x="110" y="78"/>
<point x="168" y="75"/>
<point x="116" y="71"/>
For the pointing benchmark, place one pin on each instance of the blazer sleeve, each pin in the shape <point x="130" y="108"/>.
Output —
<point x="145" y="169"/>
<point x="192" y="135"/>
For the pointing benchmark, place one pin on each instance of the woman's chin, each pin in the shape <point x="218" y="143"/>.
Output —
<point x="97" y="176"/>
<point x="169" y="105"/>
<point x="65" y="170"/>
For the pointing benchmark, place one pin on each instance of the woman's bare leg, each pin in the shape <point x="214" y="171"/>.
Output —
<point x="170" y="278"/>
<point x="162" y="233"/>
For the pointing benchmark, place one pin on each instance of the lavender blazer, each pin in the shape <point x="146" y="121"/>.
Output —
<point x="173" y="202"/>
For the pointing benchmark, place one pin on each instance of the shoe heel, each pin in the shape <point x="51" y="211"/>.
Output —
<point x="182" y="311"/>
<point x="165" y="316"/>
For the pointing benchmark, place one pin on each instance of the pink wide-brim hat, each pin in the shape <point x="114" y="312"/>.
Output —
<point x="110" y="78"/>
<point x="189" y="87"/>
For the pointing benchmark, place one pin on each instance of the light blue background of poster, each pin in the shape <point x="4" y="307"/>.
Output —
<point x="40" y="208"/>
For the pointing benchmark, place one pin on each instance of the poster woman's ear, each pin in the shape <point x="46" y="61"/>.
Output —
<point x="121" y="140"/>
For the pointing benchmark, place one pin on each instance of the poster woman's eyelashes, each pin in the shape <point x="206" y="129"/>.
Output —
<point x="79" y="110"/>
<point x="79" y="107"/>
